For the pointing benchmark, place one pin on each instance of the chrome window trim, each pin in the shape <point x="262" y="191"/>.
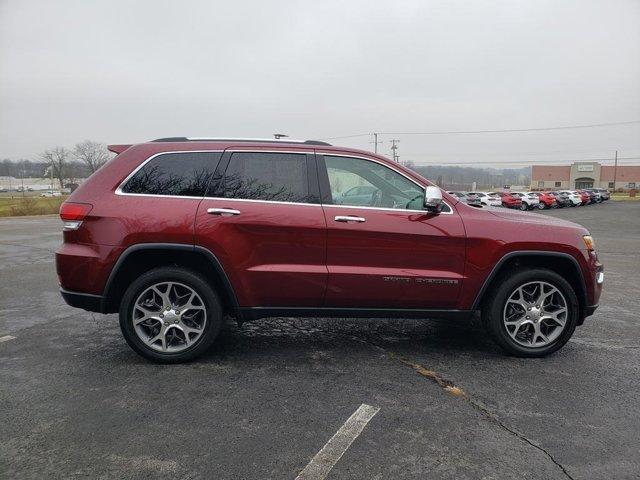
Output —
<point x="399" y="210"/>
<point x="119" y="191"/>
<point x="360" y="157"/>
<point x="139" y="167"/>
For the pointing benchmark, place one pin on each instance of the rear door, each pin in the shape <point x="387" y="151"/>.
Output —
<point x="385" y="251"/>
<point x="263" y="220"/>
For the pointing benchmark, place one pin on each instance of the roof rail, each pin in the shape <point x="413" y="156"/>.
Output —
<point x="223" y="139"/>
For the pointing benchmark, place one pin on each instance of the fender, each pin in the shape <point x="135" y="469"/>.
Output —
<point x="526" y="253"/>
<point x="170" y="246"/>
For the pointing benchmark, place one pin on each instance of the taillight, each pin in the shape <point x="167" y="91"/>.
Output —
<point x="72" y="214"/>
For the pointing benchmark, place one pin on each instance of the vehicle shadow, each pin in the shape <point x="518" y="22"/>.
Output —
<point x="279" y="336"/>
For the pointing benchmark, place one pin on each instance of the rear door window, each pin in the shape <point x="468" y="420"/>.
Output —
<point x="268" y="176"/>
<point x="184" y="174"/>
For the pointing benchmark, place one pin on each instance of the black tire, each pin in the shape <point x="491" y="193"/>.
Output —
<point x="541" y="206"/>
<point x="213" y="309"/>
<point x="524" y="206"/>
<point x="492" y="312"/>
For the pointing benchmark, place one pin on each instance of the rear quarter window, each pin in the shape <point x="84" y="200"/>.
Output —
<point x="184" y="174"/>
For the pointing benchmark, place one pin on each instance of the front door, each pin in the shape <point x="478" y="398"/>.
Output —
<point x="383" y="249"/>
<point x="263" y="220"/>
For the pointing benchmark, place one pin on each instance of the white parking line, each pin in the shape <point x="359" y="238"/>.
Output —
<point x="320" y="465"/>
<point x="6" y="338"/>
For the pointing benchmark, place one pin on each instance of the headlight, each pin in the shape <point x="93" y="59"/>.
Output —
<point x="588" y="241"/>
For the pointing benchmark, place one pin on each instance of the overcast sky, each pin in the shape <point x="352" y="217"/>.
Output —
<point x="125" y="72"/>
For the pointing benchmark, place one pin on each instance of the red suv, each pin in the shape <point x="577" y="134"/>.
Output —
<point x="176" y="233"/>
<point x="510" y="200"/>
<point x="546" y="200"/>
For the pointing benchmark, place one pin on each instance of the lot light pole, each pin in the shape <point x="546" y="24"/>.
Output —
<point x="615" y="171"/>
<point x="375" y="142"/>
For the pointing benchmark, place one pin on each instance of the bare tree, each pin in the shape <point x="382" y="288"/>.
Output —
<point x="57" y="159"/>
<point x="92" y="154"/>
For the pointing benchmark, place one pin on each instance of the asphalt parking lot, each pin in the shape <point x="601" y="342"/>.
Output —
<point x="76" y="402"/>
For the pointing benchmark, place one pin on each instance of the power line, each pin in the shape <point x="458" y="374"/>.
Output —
<point x="511" y="130"/>
<point x="347" y="136"/>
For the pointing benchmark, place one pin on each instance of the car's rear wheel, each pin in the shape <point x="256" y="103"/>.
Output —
<point x="531" y="313"/>
<point x="170" y="315"/>
<point x="524" y="206"/>
<point x="541" y="206"/>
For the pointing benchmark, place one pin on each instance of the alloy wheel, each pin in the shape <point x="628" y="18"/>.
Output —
<point x="169" y="317"/>
<point x="535" y="314"/>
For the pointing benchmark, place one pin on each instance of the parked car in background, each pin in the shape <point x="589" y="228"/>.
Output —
<point x="604" y="193"/>
<point x="177" y="234"/>
<point x="529" y="200"/>
<point x="574" y="197"/>
<point x="488" y="199"/>
<point x="468" y="198"/>
<point x="593" y="198"/>
<point x="584" y="197"/>
<point x="561" y="200"/>
<point x="546" y="200"/>
<point x="598" y="195"/>
<point x="360" y="195"/>
<point x="509" y="200"/>
<point x="50" y="194"/>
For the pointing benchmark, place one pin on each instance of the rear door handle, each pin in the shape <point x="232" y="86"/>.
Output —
<point x="349" y="218"/>
<point x="223" y="211"/>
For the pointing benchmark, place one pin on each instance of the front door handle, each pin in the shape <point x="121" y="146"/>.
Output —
<point x="223" y="211"/>
<point x="349" y="218"/>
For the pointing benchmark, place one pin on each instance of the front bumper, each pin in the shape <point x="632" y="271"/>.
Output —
<point x="590" y="310"/>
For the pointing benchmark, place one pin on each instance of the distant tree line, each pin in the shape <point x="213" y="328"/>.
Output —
<point x="66" y="164"/>
<point x="448" y="176"/>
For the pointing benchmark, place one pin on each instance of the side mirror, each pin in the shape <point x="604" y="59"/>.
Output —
<point x="433" y="199"/>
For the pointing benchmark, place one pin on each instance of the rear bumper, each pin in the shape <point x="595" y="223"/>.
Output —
<point x="86" y="301"/>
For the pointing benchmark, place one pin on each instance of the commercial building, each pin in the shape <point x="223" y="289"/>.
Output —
<point x="585" y="175"/>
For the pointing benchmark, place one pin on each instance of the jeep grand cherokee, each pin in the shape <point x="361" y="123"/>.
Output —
<point x="176" y="233"/>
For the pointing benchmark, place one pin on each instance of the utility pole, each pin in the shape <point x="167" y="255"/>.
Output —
<point x="615" y="171"/>
<point x="394" y="152"/>
<point x="375" y="142"/>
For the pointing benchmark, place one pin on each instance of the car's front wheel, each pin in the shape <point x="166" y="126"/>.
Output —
<point x="541" y="206"/>
<point x="524" y="206"/>
<point x="531" y="313"/>
<point x="170" y="315"/>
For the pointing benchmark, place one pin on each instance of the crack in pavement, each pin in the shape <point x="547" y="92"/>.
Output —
<point x="449" y="387"/>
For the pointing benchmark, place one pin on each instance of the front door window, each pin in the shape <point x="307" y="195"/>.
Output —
<point x="361" y="183"/>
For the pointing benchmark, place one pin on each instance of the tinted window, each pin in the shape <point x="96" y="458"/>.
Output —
<point x="184" y="174"/>
<point x="381" y="186"/>
<point x="280" y="177"/>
